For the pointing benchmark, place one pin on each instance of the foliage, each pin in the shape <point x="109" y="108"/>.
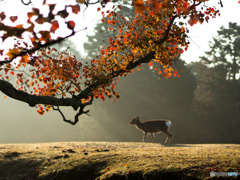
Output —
<point x="58" y="79"/>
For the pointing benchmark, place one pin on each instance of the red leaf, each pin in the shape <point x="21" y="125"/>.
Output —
<point x="110" y="40"/>
<point x="55" y="26"/>
<point x="71" y="25"/>
<point x="13" y="18"/>
<point x="12" y="73"/>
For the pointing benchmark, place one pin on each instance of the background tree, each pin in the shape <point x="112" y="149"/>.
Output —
<point x="225" y="49"/>
<point x="218" y="92"/>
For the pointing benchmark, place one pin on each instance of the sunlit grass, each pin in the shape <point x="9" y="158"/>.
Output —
<point x="107" y="160"/>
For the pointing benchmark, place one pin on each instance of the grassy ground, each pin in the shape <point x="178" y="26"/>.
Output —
<point x="105" y="160"/>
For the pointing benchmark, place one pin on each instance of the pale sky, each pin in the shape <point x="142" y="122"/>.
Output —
<point x="200" y="35"/>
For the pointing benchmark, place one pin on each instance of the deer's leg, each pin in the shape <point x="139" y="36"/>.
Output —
<point x="166" y="140"/>
<point x="169" y="136"/>
<point x="144" y="136"/>
<point x="152" y="135"/>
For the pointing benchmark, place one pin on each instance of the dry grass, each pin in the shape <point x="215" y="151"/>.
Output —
<point x="105" y="160"/>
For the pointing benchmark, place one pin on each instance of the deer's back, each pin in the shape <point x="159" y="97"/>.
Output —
<point x="155" y="125"/>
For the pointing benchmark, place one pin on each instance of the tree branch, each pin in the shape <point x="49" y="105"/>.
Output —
<point x="147" y="58"/>
<point x="39" y="47"/>
<point x="76" y="116"/>
<point x="8" y="89"/>
<point x="29" y="2"/>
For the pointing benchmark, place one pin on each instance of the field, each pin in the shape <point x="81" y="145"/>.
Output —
<point x="117" y="160"/>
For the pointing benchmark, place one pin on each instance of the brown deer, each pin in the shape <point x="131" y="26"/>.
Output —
<point x="152" y="126"/>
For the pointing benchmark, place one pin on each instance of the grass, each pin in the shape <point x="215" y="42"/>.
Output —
<point x="116" y="160"/>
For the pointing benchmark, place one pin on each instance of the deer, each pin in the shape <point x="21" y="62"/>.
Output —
<point x="152" y="126"/>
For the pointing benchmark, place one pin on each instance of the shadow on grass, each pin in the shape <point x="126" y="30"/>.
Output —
<point x="23" y="169"/>
<point x="20" y="169"/>
<point x="176" y="145"/>
<point x="172" y="174"/>
<point x="84" y="172"/>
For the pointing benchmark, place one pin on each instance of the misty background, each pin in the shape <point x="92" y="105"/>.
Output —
<point x="203" y="104"/>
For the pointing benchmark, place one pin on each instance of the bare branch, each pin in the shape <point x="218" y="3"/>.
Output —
<point x="76" y="116"/>
<point x="29" y="2"/>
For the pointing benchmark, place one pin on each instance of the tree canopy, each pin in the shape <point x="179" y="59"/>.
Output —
<point x="35" y="73"/>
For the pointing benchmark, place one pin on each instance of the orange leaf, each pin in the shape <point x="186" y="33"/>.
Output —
<point x="12" y="52"/>
<point x="150" y="64"/>
<point x="12" y="73"/>
<point x="25" y="59"/>
<point x="139" y="5"/>
<point x="5" y="97"/>
<point x="76" y="9"/>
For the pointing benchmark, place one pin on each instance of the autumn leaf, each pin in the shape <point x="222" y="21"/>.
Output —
<point x="63" y="13"/>
<point x="80" y="1"/>
<point x="55" y="26"/>
<point x="2" y="16"/>
<point x="75" y="9"/>
<point x="12" y="53"/>
<point x="150" y="64"/>
<point x="71" y="25"/>
<point x="139" y="5"/>
<point x="13" y="18"/>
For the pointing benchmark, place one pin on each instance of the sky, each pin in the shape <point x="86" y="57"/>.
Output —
<point x="200" y="34"/>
